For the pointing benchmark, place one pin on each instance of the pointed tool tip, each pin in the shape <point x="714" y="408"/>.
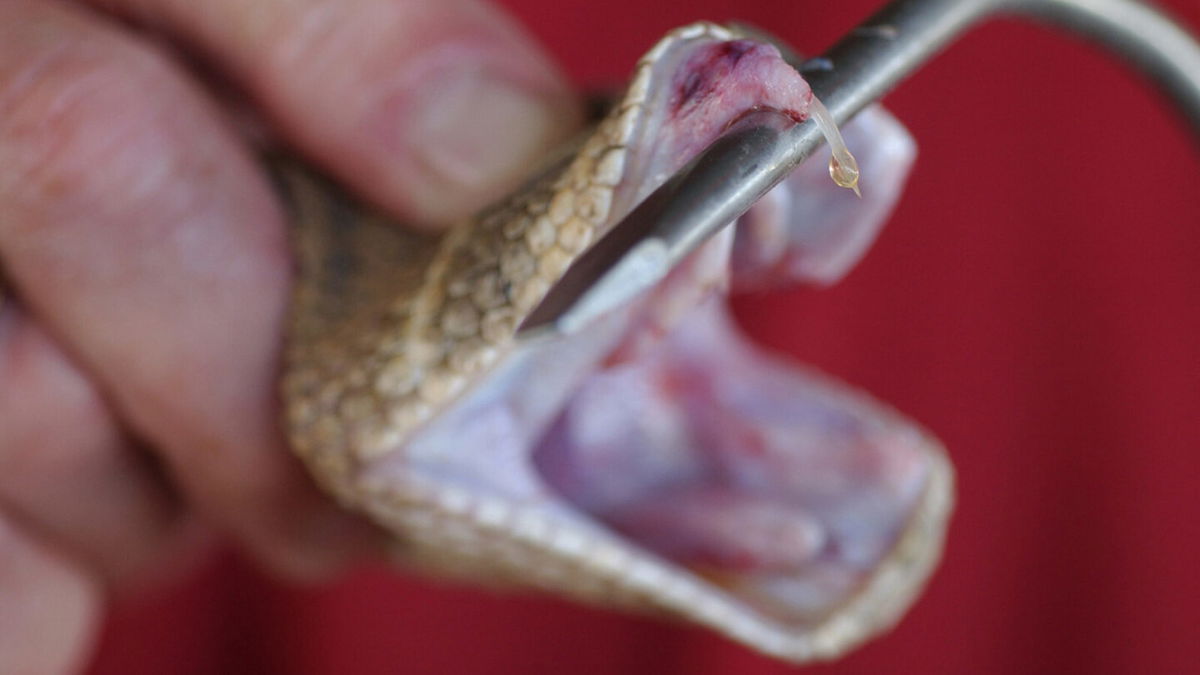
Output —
<point x="566" y="309"/>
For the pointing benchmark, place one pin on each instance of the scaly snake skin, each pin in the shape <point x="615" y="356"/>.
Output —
<point x="390" y="326"/>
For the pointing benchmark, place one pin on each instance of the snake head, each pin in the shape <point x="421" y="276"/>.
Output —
<point x="656" y="460"/>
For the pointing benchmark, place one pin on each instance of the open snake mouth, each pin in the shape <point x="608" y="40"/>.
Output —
<point x="657" y="458"/>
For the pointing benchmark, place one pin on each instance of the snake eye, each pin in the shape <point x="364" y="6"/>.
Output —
<point x="843" y="168"/>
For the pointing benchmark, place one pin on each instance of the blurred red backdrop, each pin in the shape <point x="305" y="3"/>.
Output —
<point x="1035" y="302"/>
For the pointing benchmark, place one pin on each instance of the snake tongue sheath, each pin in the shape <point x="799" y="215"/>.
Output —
<point x="655" y="460"/>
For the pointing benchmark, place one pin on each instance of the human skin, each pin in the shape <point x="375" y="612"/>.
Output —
<point x="149" y="261"/>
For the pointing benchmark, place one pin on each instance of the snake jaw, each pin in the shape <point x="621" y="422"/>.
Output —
<point x="410" y="399"/>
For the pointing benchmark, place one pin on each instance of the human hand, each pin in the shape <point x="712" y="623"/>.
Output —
<point x="149" y="259"/>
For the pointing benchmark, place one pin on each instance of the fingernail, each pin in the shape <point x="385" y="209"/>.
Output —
<point x="475" y="136"/>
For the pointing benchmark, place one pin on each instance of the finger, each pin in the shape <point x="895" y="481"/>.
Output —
<point x="67" y="470"/>
<point x="145" y="239"/>
<point x="50" y="608"/>
<point x="428" y="108"/>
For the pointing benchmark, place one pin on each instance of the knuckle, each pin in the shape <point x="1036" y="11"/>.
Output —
<point x="76" y="108"/>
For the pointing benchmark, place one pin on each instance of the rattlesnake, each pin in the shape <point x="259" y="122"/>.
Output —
<point x="410" y="399"/>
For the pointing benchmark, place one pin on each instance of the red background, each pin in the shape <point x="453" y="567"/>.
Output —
<point x="1034" y="302"/>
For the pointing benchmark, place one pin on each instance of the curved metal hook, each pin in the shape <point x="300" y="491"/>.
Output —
<point x="722" y="183"/>
<point x="905" y="34"/>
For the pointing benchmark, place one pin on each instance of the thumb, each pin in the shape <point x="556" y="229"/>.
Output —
<point x="429" y="109"/>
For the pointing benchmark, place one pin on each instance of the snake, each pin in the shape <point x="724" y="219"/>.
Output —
<point x="655" y="461"/>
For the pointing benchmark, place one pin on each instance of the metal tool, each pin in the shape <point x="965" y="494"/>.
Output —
<point x="722" y="183"/>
